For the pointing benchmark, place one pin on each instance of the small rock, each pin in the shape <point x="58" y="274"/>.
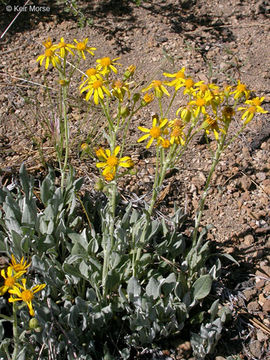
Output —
<point x="253" y="306"/>
<point x="220" y="358"/>
<point x="223" y="66"/>
<point x="245" y="183"/>
<point x="265" y="269"/>
<point x="266" y="306"/>
<point x="249" y="293"/>
<point x="230" y="250"/>
<point x="259" y="284"/>
<point x="266" y="186"/>
<point x="161" y="39"/>
<point x="261" y="300"/>
<point x="261" y="336"/>
<point x="259" y="254"/>
<point x="266" y="289"/>
<point x="255" y="349"/>
<point x="248" y="240"/>
<point x="261" y="176"/>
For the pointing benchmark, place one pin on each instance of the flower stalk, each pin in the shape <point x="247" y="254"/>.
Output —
<point x="15" y="332"/>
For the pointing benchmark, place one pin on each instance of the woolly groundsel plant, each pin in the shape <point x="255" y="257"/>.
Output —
<point x="90" y="278"/>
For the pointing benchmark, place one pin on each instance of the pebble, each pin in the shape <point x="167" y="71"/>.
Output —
<point x="249" y="293"/>
<point x="245" y="183"/>
<point x="261" y="300"/>
<point x="255" y="349"/>
<point x="266" y="306"/>
<point x="253" y="306"/>
<point x="266" y="289"/>
<point x="261" y="336"/>
<point x="224" y="66"/>
<point x="259" y="284"/>
<point x="249" y="240"/>
<point x="265" y="268"/>
<point x="261" y="176"/>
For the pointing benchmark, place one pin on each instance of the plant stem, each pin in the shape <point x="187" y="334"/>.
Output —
<point x="15" y="332"/>
<point x="207" y="187"/>
<point x="66" y="136"/>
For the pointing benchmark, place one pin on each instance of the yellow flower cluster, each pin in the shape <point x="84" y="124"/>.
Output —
<point x="54" y="52"/>
<point x="209" y="108"/>
<point x="96" y="81"/>
<point x="16" y="286"/>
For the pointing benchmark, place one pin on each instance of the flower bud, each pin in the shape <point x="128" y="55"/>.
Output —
<point x="129" y="72"/>
<point x="84" y="147"/>
<point x="136" y="97"/>
<point x="186" y="115"/>
<point x="99" y="185"/>
<point x="147" y="99"/>
<point x="63" y="82"/>
<point x="124" y="111"/>
<point x="33" y="323"/>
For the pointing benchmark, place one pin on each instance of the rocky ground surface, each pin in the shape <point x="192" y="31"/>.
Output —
<point x="216" y="41"/>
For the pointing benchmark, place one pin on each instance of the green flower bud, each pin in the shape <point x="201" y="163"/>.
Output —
<point x="33" y="323"/>
<point x="99" y="185"/>
<point x="124" y="111"/>
<point x="136" y="97"/>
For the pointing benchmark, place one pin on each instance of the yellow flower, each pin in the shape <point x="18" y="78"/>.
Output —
<point x="81" y="47"/>
<point x="253" y="107"/>
<point x="84" y="146"/>
<point x="155" y="132"/>
<point x="211" y="124"/>
<point x="241" y="90"/>
<point x="106" y="64"/>
<point x="227" y="113"/>
<point x="21" y="266"/>
<point x="25" y="295"/>
<point x="179" y="79"/>
<point x="50" y="58"/>
<point x="147" y="99"/>
<point x="110" y="162"/>
<point x="48" y="43"/>
<point x="205" y="90"/>
<point x="158" y="87"/>
<point x="93" y="73"/>
<point x="188" y="84"/>
<point x="177" y="135"/>
<point x="90" y="74"/>
<point x="100" y="154"/>
<point x="120" y="89"/>
<point x="96" y="88"/>
<point x="10" y="279"/>
<point x="64" y="48"/>
<point x="165" y="143"/>
<point x="109" y="174"/>
<point x="200" y="103"/>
